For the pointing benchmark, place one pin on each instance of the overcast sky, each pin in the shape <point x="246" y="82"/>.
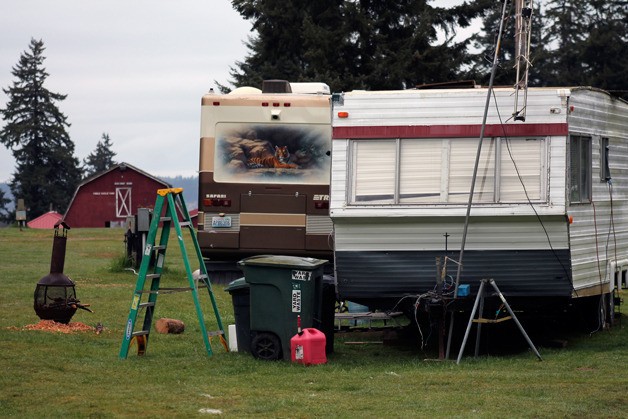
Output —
<point x="134" y="69"/>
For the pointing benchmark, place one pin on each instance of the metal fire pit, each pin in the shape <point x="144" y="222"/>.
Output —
<point x="55" y="295"/>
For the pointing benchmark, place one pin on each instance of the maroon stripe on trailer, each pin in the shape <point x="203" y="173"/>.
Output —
<point x="450" y="131"/>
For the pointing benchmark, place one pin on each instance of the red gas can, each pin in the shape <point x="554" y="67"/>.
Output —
<point x="308" y="348"/>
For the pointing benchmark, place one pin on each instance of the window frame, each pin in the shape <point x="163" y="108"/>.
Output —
<point x="580" y="146"/>
<point x="494" y="163"/>
<point x="605" y="169"/>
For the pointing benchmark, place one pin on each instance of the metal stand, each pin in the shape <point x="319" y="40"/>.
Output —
<point x="480" y="301"/>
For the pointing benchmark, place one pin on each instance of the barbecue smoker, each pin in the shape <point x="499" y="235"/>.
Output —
<point x="55" y="296"/>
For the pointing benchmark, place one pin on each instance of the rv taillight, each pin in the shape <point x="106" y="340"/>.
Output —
<point x="276" y="104"/>
<point x="216" y="202"/>
<point x="264" y="103"/>
<point x="287" y="104"/>
<point x="216" y="103"/>
<point x="343" y="114"/>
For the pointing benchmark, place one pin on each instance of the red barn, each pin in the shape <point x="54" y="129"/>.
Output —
<point x="108" y="198"/>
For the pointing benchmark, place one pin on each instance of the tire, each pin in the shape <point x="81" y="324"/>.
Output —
<point x="266" y="346"/>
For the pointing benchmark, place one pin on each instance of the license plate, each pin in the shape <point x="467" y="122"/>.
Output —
<point x="221" y="222"/>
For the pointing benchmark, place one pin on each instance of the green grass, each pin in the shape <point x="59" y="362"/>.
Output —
<point x="80" y="375"/>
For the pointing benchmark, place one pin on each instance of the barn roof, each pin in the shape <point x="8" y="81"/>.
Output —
<point x="47" y="220"/>
<point x="121" y="166"/>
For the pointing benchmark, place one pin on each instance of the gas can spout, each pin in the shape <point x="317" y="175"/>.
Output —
<point x="299" y="331"/>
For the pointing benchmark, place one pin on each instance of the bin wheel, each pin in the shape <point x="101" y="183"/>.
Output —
<point x="266" y="346"/>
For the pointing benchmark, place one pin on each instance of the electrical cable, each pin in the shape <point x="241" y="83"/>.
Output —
<point x="597" y="252"/>
<point x="538" y="217"/>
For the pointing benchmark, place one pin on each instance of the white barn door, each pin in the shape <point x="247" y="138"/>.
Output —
<point x="123" y="202"/>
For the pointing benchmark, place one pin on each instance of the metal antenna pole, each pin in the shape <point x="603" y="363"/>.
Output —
<point x="477" y="163"/>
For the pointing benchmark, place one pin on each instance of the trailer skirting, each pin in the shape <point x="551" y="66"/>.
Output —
<point x="381" y="277"/>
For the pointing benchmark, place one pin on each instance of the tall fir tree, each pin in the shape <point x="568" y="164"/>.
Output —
<point x="588" y="43"/>
<point x="101" y="158"/>
<point x="354" y="44"/>
<point x="46" y="173"/>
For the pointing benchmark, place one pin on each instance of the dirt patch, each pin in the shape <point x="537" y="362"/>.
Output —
<point x="54" y="327"/>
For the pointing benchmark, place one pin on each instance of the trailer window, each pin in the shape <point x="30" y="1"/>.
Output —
<point x="605" y="170"/>
<point x="420" y="171"/>
<point x="580" y="169"/>
<point x="521" y="164"/>
<point x="461" y="164"/>
<point x="374" y="171"/>
<point x="439" y="171"/>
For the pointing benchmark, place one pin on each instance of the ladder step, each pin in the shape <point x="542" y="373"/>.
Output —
<point x="158" y="248"/>
<point x="152" y="276"/>
<point x="185" y="224"/>
<point x="483" y="320"/>
<point x="216" y="333"/>
<point x="147" y="304"/>
<point x="165" y="219"/>
<point x="141" y="333"/>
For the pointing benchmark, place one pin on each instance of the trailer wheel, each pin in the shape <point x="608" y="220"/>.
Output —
<point x="266" y="346"/>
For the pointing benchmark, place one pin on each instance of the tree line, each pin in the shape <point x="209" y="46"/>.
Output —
<point x="348" y="44"/>
<point x="397" y="44"/>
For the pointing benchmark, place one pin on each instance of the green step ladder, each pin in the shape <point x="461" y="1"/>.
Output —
<point x="172" y="204"/>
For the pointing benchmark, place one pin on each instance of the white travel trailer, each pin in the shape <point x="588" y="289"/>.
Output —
<point x="549" y="219"/>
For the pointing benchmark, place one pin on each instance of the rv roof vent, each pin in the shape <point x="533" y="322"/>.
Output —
<point x="276" y="86"/>
<point x="310" y="88"/>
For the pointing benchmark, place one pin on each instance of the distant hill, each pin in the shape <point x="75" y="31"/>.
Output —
<point x="190" y="188"/>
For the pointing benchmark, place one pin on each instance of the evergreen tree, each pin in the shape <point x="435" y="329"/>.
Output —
<point x="588" y="43"/>
<point x="353" y="44"/>
<point x="101" y="158"/>
<point x="47" y="172"/>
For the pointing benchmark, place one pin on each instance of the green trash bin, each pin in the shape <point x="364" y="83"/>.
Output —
<point x="240" y="295"/>
<point x="281" y="289"/>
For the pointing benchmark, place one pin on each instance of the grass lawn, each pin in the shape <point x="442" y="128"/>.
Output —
<point x="79" y="375"/>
